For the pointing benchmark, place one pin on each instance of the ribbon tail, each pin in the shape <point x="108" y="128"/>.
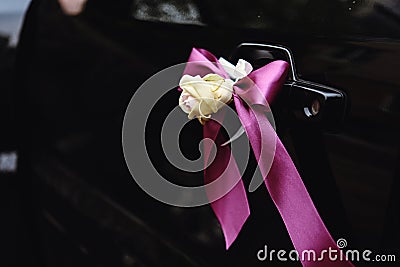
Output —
<point x="306" y="228"/>
<point x="231" y="210"/>
<point x="286" y="188"/>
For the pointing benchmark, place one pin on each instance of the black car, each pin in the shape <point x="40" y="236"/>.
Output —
<point x="75" y="73"/>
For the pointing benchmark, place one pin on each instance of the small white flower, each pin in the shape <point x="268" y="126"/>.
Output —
<point x="241" y="70"/>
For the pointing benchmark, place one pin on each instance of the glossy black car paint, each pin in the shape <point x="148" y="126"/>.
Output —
<point x="76" y="75"/>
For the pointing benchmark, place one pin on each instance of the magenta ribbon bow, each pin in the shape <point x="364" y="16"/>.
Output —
<point x="284" y="184"/>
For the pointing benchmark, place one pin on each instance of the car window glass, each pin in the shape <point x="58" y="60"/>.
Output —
<point x="172" y="11"/>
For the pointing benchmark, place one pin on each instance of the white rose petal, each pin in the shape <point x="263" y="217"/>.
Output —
<point x="228" y="67"/>
<point x="187" y="102"/>
<point x="242" y="69"/>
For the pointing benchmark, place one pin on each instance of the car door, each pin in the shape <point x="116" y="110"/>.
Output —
<point x="78" y="73"/>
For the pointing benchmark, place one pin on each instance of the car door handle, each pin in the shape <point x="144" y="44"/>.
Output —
<point x="306" y="102"/>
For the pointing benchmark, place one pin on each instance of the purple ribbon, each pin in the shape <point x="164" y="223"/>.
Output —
<point x="285" y="186"/>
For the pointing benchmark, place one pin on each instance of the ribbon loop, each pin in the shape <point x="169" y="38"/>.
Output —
<point x="262" y="85"/>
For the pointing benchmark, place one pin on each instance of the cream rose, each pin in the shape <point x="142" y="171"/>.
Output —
<point x="202" y="97"/>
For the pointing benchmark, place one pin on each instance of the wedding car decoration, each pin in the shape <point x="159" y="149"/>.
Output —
<point x="207" y="85"/>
